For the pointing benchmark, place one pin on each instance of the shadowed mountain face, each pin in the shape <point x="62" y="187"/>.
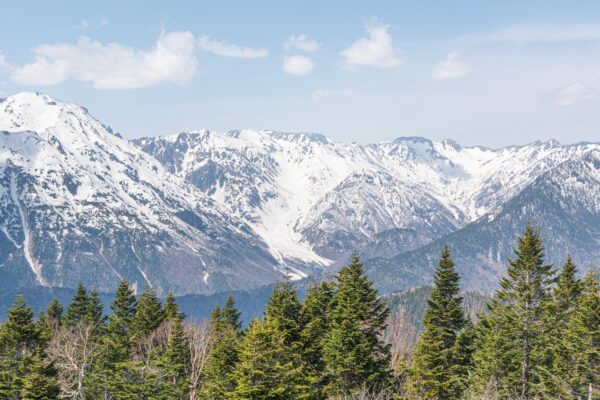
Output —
<point x="205" y="212"/>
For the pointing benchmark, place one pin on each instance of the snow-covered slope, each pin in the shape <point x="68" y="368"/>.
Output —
<point x="314" y="199"/>
<point x="78" y="203"/>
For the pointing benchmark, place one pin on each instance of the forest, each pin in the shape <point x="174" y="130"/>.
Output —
<point x="538" y="338"/>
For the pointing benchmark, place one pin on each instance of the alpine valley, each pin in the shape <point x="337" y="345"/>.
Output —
<point x="205" y="212"/>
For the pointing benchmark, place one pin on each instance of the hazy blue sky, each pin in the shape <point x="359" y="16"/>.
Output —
<point x="480" y="72"/>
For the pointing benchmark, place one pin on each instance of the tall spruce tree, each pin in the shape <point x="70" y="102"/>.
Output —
<point x="512" y="343"/>
<point x="94" y="314"/>
<point x="20" y="336"/>
<point x="354" y="354"/>
<point x="176" y="364"/>
<point x="217" y="376"/>
<point x="583" y="341"/>
<point x="267" y="370"/>
<point x="40" y="381"/>
<point x="54" y="310"/>
<point x="230" y="315"/>
<point x="148" y="316"/>
<point x="111" y="369"/>
<point x="315" y="327"/>
<point x="79" y="306"/>
<point x="436" y="370"/>
<point x="171" y="308"/>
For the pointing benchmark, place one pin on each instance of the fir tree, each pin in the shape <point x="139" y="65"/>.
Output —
<point x="436" y="371"/>
<point x="230" y="315"/>
<point x="217" y="375"/>
<point x="77" y="310"/>
<point x="19" y="337"/>
<point x="353" y="351"/>
<point x="94" y="313"/>
<point x="177" y="360"/>
<point x="314" y="317"/>
<point x="149" y="314"/>
<point x="517" y="328"/>
<point x="54" y="310"/>
<point x="40" y="380"/>
<point x="171" y="309"/>
<point x="266" y="369"/>
<point x="583" y="341"/>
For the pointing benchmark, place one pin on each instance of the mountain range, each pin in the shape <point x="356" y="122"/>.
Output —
<point x="204" y="212"/>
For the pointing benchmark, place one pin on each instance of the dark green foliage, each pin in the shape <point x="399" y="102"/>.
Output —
<point x="79" y="307"/>
<point x="176" y="363"/>
<point x="230" y="315"/>
<point x="512" y="347"/>
<point x="149" y="314"/>
<point x="440" y="362"/>
<point x="54" y="310"/>
<point x="95" y="310"/>
<point x="171" y="309"/>
<point x="40" y="379"/>
<point x="353" y="352"/>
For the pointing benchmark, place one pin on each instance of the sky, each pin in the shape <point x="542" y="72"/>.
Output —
<point x="491" y="73"/>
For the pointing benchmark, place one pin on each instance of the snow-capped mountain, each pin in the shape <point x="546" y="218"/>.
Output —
<point x="315" y="199"/>
<point x="80" y="204"/>
<point x="204" y="211"/>
<point x="564" y="202"/>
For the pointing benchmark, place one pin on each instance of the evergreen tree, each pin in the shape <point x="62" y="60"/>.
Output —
<point x="112" y="369"/>
<point x="94" y="313"/>
<point x="177" y="361"/>
<point x="436" y="370"/>
<point x="516" y="330"/>
<point x="230" y="315"/>
<point x="171" y="309"/>
<point x="266" y="369"/>
<point x="19" y="337"/>
<point x="40" y="380"/>
<point x="149" y="314"/>
<point x="217" y="375"/>
<point x="583" y="342"/>
<point x="54" y="310"/>
<point x="353" y="351"/>
<point x="314" y="317"/>
<point x="78" y="309"/>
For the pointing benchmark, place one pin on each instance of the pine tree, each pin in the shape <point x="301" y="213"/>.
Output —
<point x="149" y="314"/>
<point x="77" y="310"/>
<point x="54" y="310"/>
<point x="94" y="313"/>
<point x="554" y="378"/>
<point x="217" y="375"/>
<point x="283" y="310"/>
<point x="583" y="341"/>
<point x="40" y="380"/>
<point x="111" y="369"/>
<point x="230" y="315"/>
<point x="266" y="369"/>
<point x="19" y="338"/>
<point x="353" y="351"/>
<point x="516" y="330"/>
<point x="171" y="309"/>
<point x="176" y="363"/>
<point x="314" y="318"/>
<point x="436" y="371"/>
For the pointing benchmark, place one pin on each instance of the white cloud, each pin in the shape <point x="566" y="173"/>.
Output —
<point x="303" y="43"/>
<point x="103" y="22"/>
<point x="450" y="68"/>
<point x="225" y="49"/>
<point x="298" y="65"/>
<point x="112" y="65"/>
<point x="377" y="50"/>
<point x="573" y="94"/>
<point x="539" y="33"/>
<point x="321" y="94"/>
<point x="4" y="65"/>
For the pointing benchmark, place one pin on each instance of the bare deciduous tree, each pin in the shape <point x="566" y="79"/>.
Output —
<point x="200" y="339"/>
<point x="73" y="349"/>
